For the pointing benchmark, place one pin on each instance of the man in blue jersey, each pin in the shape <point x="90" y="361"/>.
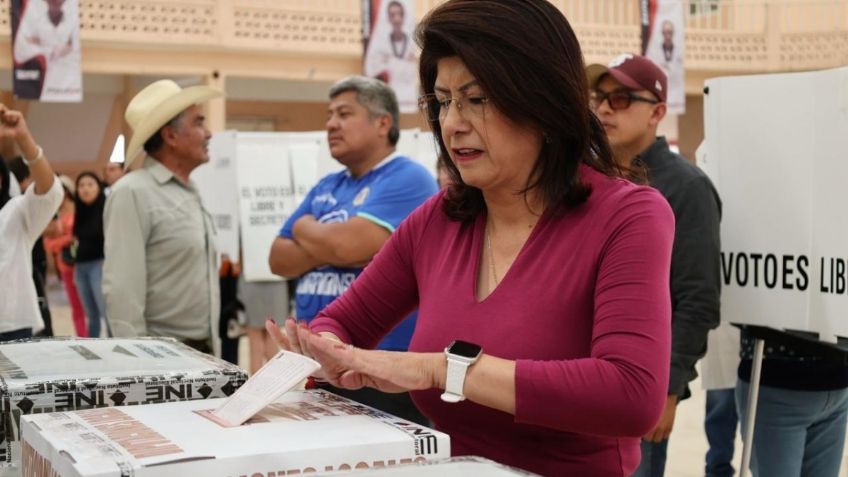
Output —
<point x="349" y="215"/>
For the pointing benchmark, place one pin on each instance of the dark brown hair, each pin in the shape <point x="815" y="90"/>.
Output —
<point x="89" y="216"/>
<point x="528" y="61"/>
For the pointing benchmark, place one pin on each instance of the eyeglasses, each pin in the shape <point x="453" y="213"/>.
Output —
<point x="617" y="100"/>
<point x="435" y="108"/>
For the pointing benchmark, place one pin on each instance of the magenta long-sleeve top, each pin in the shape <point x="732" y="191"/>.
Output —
<point x="584" y="311"/>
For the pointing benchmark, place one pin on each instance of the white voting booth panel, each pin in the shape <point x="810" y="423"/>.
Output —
<point x="215" y="182"/>
<point x="266" y="190"/>
<point x="776" y="148"/>
<point x="254" y="181"/>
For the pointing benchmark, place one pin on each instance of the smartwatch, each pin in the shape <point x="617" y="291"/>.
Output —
<point x="460" y="355"/>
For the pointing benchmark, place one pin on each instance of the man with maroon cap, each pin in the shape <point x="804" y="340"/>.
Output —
<point x="628" y="96"/>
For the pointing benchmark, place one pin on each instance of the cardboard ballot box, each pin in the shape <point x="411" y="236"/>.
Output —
<point x="301" y="432"/>
<point x="43" y="376"/>
<point x="453" y="467"/>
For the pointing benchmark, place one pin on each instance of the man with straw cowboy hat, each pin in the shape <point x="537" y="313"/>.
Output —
<point x="160" y="276"/>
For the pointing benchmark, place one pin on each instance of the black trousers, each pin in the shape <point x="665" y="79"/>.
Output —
<point x="38" y="279"/>
<point x="20" y="334"/>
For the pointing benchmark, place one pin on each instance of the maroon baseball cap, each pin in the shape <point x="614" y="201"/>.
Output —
<point x="635" y="72"/>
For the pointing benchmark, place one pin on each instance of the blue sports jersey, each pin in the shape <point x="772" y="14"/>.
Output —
<point x="386" y="195"/>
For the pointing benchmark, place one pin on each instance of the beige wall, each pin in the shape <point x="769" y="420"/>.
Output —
<point x="278" y="57"/>
<point x="690" y="127"/>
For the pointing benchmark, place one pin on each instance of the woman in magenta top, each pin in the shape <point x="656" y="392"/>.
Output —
<point x="539" y="253"/>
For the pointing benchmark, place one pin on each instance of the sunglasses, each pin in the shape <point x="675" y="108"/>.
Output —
<point x="617" y="100"/>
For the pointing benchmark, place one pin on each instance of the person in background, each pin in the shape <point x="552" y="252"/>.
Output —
<point x="802" y="406"/>
<point x="22" y="219"/>
<point x="88" y="234"/>
<point x="541" y="275"/>
<point x="349" y="215"/>
<point x="628" y="96"/>
<point x="718" y="377"/>
<point x="231" y="308"/>
<point x="161" y="271"/>
<point x="262" y="300"/>
<point x="112" y="171"/>
<point x="23" y="177"/>
<point x="59" y="241"/>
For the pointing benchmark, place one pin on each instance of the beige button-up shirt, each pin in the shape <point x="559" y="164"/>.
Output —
<point x="160" y="276"/>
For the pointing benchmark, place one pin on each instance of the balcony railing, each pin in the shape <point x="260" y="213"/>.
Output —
<point x="721" y="35"/>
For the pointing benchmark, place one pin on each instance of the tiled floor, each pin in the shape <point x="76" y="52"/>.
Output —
<point x="686" y="447"/>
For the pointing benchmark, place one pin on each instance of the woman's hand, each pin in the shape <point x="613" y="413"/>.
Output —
<point x="388" y="371"/>
<point x="12" y="123"/>
<point x="345" y="366"/>
<point x="293" y="336"/>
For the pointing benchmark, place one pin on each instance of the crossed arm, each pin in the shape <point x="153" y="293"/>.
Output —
<point x="315" y="244"/>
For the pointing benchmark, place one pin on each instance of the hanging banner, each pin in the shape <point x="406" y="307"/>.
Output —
<point x="390" y="51"/>
<point x="662" y="42"/>
<point x="46" y="50"/>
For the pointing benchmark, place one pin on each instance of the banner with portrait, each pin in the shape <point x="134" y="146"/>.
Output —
<point x="784" y="225"/>
<point x="662" y="42"/>
<point x="390" y="51"/>
<point x="46" y="50"/>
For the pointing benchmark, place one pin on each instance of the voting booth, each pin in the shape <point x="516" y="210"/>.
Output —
<point x="775" y="145"/>
<point x="254" y="181"/>
<point x="775" y="149"/>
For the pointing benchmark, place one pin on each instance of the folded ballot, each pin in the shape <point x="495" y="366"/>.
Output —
<point x="280" y="374"/>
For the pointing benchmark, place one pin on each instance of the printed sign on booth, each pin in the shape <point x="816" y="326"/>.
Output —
<point x="781" y="179"/>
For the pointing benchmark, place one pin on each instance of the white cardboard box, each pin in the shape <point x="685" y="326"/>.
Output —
<point x="466" y="466"/>
<point x="43" y="376"/>
<point x="302" y="432"/>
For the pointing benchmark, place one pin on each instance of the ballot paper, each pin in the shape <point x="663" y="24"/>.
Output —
<point x="282" y="373"/>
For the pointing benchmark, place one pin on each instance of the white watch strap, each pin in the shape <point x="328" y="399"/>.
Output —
<point x="455" y="381"/>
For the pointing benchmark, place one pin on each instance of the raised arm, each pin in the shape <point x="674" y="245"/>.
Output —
<point x="14" y="126"/>
<point x="45" y="196"/>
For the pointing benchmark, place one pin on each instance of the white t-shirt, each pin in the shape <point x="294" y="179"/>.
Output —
<point x="22" y="220"/>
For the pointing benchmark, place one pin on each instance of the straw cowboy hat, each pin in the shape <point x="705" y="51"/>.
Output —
<point x="157" y="104"/>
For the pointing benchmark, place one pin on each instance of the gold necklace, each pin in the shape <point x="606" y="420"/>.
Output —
<point x="491" y="258"/>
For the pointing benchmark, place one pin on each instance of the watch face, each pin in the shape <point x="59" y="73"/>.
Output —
<point x="464" y="349"/>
